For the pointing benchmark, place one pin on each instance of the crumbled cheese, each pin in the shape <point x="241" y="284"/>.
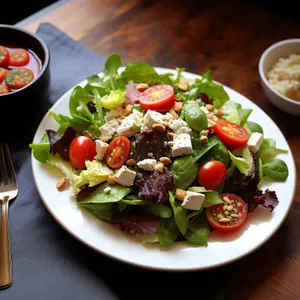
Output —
<point x="255" y="141"/>
<point x="125" y="176"/>
<point x="182" y="144"/>
<point x="131" y="124"/>
<point x="284" y="76"/>
<point x="114" y="114"/>
<point x="151" y="118"/>
<point x="100" y="149"/>
<point x="147" y="164"/>
<point x="108" y="130"/>
<point x="193" y="200"/>
<point x="179" y="126"/>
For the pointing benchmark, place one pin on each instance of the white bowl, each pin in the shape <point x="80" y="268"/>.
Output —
<point x="268" y="59"/>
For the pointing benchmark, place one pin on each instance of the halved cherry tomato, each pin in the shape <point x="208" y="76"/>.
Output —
<point x="82" y="148"/>
<point x="117" y="152"/>
<point x="231" y="134"/>
<point x="158" y="97"/>
<point x="236" y="216"/>
<point x="19" y="58"/>
<point x="4" y="57"/>
<point x="18" y="78"/>
<point x="4" y="89"/>
<point x="212" y="174"/>
<point x="3" y="73"/>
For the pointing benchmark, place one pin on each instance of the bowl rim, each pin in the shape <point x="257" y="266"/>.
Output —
<point x="45" y="48"/>
<point x="262" y="74"/>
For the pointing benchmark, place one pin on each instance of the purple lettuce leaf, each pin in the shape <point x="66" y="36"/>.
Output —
<point x="155" y="186"/>
<point x="139" y="224"/>
<point x="60" y="143"/>
<point x="268" y="199"/>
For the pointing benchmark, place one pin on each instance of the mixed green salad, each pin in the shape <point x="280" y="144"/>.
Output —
<point x="161" y="156"/>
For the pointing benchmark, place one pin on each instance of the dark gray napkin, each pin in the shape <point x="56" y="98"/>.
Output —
<point x="50" y="264"/>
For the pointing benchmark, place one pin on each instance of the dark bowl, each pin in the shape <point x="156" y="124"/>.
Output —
<point x="22" y="104"/>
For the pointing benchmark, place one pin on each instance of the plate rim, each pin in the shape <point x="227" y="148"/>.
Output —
<point x="154" y="268"/>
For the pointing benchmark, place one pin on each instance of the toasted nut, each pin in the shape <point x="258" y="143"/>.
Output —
<point x="61" y="183"/>
<point x="224" y="220"/>
<point x="180" y="194"/>
<point x="211" y="123"/>
<point x="192" y="102"/>
<point x="87" y="134"/>
<point x="150" y="154"/>
<point x="234" y="215"/>
<point x="220" y="216"/>
<point x="142" y="87"/>
<point x="165" y="160"/>
<point x="239" y="204"/>
<point x="128" y="109"/>
<point x="111" y="179"/>
<point x="204" y="139"/>
<point x="229" y="208"/>
<point x="225" y="207"/>
<point x="159" y="167"/>
<point x="183" y="86"/>
<point x="159" y="127"/>
<point x="209" y="107"/>
<point x="170" y="135"/>
<point x="226" y="212"/>
<point x="227" y="200"/>
<point x="130" y="162"/>
<point x="178" y="106"/>
<point x="173" y="113"/>
<point x="205" y="132"/>
<point x="178" y="99"/>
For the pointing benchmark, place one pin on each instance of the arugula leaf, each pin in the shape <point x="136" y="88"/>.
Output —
<point x="168" y="231"/>
<point x="268" y="150"/>
<point x="243" y="163"/>
<point x="117" y="193"/>
<point x="212" y="199"/>
<point x="41" y="150"/>
<point x="276" y="170"/>
<point x="198" y="231"/>
<point x="185" y="169"/>
<point x="180" y="214"/>
<point x="211" y="89"/>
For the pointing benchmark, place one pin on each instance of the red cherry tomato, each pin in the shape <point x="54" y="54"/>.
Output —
<point x="4" y="57"/>
<point x="212" y="174"/>
<point x="4" y="89"/>
<point x="233" y="220"/>
<point x="117" y="152"/>
<point x="3" y="73"/>
<point x="231" y="134"/>
<point x="81" y="149"/>
<point x="158" y="97"/>
<point x="19" y="58"/>
<point x="18" y="78"/>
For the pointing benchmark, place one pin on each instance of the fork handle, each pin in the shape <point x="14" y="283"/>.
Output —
<point x="5" y="256"/>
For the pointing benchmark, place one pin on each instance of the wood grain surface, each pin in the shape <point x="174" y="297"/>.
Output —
<point x="228" y="37"/>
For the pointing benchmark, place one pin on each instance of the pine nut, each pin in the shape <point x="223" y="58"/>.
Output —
<point x="224" y="220"/>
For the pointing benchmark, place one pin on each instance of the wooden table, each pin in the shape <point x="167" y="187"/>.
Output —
<point x="229" y="38"/>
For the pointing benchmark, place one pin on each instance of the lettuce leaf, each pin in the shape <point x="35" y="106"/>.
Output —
<point x="243" y="163"/>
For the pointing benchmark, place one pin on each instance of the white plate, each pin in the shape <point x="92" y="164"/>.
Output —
<point x="181" y="256"/>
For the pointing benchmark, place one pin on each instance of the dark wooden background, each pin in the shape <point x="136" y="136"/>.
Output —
<point x="229" y="37"/>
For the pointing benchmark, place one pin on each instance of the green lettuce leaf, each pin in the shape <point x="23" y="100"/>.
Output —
<point x="243" y="163"/>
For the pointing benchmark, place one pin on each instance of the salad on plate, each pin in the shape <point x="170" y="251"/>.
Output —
<point x="160" y="156"/>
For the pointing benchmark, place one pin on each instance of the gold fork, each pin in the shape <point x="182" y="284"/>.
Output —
<point x="8" y="191"/>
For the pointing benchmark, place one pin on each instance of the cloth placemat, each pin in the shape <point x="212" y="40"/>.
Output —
<point x="50" y="264"/>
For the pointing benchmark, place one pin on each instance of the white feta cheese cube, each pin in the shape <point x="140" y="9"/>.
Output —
<point x="255" y="141"/>
<point x="147" y="164"/>
<point x="151" y="117"/>
<point x="114" y="114"/>
<point x="108" y="130"/>
<point x="193" y="200"/>
<point x="125" y="176"/>
<point x="182" y="144"/>
<point x="131" y="124"/>
<point x="180" y="126"/>
<point x="100" y="149"/>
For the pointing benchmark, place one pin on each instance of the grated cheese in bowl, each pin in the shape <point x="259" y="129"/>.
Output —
<point x="284" y="76"/>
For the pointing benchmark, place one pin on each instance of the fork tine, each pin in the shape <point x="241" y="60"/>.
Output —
<point x="10" y="166"/>
<point x="4" y="175"/>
